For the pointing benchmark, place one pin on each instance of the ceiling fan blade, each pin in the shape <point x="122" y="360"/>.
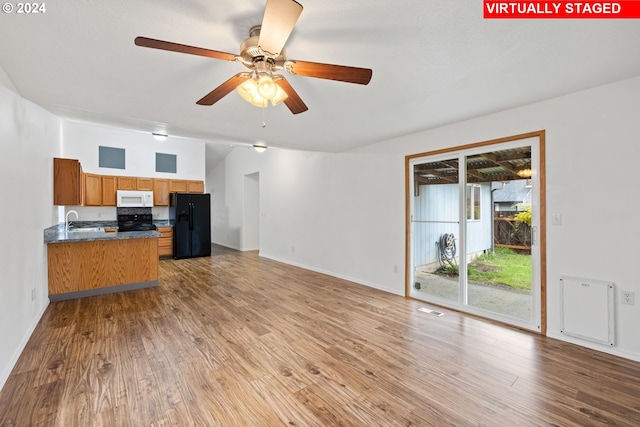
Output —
<point x="293" y="101"/>
<point x="341" y="73"/>
<point x="224" y="89"/>
<point x="182" y="48"/>
<point x="280" y="16"/>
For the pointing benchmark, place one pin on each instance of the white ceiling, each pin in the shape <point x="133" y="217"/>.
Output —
<point x="434" y="62"/>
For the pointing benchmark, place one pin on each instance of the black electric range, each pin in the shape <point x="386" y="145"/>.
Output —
<point x="135" y="219"/>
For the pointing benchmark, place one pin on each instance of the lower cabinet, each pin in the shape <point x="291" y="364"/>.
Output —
<point x="84" y="268"/>
<point x="165" y="242"/>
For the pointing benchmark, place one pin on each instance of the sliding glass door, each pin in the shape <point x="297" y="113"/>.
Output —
<point x="473" y="230"/>
<point x="435" y="223"/>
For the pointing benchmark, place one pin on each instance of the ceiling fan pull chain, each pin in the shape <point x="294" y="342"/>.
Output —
<point x="264" y="124"/>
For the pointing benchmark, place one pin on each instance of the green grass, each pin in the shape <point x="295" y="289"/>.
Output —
<point x="505" y="267"/>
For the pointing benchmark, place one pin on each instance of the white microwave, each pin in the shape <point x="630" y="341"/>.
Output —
<point x="134" y="199"/>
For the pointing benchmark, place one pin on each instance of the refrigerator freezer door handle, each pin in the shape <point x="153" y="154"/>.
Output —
<point x="190" y="216"/>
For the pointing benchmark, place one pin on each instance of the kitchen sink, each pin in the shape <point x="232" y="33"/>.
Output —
<point x="86" y="230"/>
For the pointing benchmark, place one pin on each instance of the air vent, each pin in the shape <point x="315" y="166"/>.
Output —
<point x="431" y="312"/>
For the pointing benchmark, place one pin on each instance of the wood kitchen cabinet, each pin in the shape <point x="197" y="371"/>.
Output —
<point x="92" y="195"/>
<point x="85" y="268"/>
<point x="72" y="187"/>
<point x="165" y="242"/>
<point x="195" y="186"/>
<point x="186" y="186"/>
<point x="127" y="183"/>
<point x="145" y="184"/>
<point x="160" y="192"/>
<point x="177" y="186"/>
<point x="109" y="184"/>
<point x="67" y="182"/>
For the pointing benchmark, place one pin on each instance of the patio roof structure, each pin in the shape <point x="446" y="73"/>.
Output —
<point x="499" y="165"/>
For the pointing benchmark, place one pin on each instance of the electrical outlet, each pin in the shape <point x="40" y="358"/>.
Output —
<point x="628" y="298"/>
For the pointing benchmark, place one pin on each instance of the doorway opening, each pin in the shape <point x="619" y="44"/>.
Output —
<point x="475" y="229"/>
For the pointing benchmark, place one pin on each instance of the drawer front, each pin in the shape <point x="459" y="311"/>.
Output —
<point x="165" y="230"/>
<point x="165" y="250"/>
<point x="165" y="243"/>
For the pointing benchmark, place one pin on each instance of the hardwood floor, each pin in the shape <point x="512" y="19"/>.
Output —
<point x="237" y="340"/>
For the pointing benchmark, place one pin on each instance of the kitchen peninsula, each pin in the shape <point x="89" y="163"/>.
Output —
<point x="85" y="263"/>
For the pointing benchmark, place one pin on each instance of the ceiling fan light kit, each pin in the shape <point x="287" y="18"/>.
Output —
<point x="263" y="53"/>
<point x="254" y="92"/>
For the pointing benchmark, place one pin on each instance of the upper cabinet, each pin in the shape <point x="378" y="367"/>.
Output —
<point x="72" y="187"/>
<point x="160" y="192"/>
<point x="144" y="184"/>
<point x="127" y="183"/>
<point x="109" y="184"/>
<point x="195" y="186"/>
<point x="92" y="190"/>
<point x="186" y="186"/>
<point x="67" y="182"/>
<point x="178" y="186"/>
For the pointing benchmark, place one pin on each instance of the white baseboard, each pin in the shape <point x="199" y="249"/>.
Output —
<point x="594" y="346"/>
<point x="20" y="349"/>
<point x="339" y="276"/>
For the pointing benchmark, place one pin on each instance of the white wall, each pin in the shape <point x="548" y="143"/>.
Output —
<point x="251" y="213"/>
<point x="29" y="139"/>
<point x="81" y="141"/>
<point x="319" y="211"/>
<point x="227" y="195"/>
<point x="344" y="214"/>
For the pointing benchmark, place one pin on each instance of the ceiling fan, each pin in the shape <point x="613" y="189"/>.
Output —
<point x="263" y="53"/>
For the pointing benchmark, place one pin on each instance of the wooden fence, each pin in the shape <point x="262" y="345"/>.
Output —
<point x="510" y="233"/>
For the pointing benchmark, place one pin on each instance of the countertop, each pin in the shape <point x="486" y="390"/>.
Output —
<point x="57" y="233"/>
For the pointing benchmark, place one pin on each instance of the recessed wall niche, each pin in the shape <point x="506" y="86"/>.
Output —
<point x="166" y="162"/>
<point x="110" y="157"/>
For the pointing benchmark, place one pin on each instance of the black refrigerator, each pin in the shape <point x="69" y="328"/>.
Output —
<point x="191" y="217"/>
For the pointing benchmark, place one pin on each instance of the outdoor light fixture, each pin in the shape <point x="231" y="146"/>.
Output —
<point x="524" y="173"/>
<point x="260" y="147"/>
<point x="159" y="136"/>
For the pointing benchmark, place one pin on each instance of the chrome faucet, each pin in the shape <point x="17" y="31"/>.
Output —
<point x="67" y="223"/>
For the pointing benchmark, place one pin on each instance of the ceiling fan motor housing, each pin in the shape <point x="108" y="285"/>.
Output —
<point x="251" y="53"/>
